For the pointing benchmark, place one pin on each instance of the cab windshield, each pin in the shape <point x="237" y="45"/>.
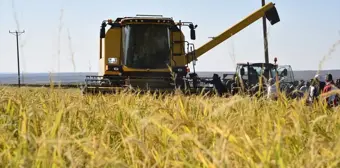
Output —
<point x="268" y="72"/>
<point x="146" y="46"/>
<point x="258" y="70"/>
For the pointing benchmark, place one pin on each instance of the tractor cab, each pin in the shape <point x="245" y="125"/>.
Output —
<point x="253" y="77"/>
<point x="250" y="76"/>
<point x="250" y="73"/>
<point x="286" y="74"/>
<point x="286" y="71"/>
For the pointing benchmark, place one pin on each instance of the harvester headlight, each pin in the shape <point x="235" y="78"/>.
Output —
<point x="116" y="69"/>
<point x="112" y="60"/>
<point x="179" y="70"/>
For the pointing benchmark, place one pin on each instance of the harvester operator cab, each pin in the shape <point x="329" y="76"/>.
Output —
<point x="145" y="43"/>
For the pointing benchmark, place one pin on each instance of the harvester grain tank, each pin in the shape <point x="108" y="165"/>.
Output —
<point x="151" y="51"/>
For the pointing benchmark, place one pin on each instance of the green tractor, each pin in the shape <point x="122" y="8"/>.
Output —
<point x="251" y="78"/>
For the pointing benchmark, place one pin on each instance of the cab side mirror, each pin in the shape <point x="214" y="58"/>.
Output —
<point x="102" y="33"/>
<point x="102" y="30"/>
<point x="192" y="31"/>
<point x="192" y="34"/>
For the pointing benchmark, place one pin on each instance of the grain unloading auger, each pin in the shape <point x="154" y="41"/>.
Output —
<point x="148" y="52"/>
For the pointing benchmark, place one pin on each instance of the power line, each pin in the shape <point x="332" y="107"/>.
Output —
<point x="17" y="34"/>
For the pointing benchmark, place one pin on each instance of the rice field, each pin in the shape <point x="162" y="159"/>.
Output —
<point x="62" y="128"/>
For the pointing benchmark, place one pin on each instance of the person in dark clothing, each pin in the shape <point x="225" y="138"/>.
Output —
<point x="194" y="78"/>
<point x="322" y="86"/>
<point x="218" y="85"/>
<point x="322" y="82"/>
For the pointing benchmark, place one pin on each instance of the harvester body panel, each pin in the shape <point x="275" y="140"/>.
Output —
<point x="111" y="52"/>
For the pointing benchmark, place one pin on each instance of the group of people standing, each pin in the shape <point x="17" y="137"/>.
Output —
<point x="313" y="88"/>
<point x="319" y="86"/>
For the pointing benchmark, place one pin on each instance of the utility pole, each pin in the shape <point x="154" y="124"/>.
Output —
<point x="266" y="57"/>
<point x="17" y="34"/>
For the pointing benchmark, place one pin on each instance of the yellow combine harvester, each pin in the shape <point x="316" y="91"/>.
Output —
<point x="151" y="52"/>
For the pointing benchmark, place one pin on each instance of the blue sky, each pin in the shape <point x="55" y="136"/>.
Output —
<point x="306" y="33"/>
